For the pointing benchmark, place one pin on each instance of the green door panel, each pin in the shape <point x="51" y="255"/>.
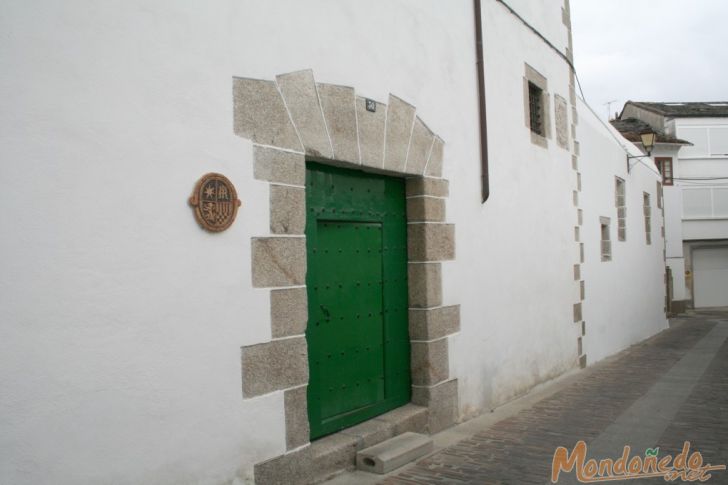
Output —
<point x="358" y="342"/>
<point x="349" y="337"/>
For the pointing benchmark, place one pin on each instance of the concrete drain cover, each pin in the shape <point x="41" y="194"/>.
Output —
<point x="393" y="453"/>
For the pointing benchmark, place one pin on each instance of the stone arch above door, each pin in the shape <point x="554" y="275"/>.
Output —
<point x="293" y="119"/>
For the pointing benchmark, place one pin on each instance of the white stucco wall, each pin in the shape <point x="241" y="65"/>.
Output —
<point x="706" y="159"/>
<point x="705" y="229"/>
<point x="677" y="266"/>
<point x="673" y="220"/>
<point x="624" y="298"/>
<point x="121" y="321"/>
<point x="708" y="219"/>
<point x="544" y="15"/>
<point x="708" y="135"/>
<point x="514" y="271"/>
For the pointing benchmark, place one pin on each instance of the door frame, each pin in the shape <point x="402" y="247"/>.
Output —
<point x="294" y="118"/>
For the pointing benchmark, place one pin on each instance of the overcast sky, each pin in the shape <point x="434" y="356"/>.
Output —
<point x="650" y="50"/>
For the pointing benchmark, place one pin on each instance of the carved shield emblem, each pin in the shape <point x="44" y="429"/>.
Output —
<point x="215" y="202"/>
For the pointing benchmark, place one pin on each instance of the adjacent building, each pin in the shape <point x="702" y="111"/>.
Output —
<point x="411" y="247"/>
<point x="692" y="155"/>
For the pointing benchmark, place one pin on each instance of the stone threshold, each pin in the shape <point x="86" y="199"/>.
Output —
<point x="335" y="454"/>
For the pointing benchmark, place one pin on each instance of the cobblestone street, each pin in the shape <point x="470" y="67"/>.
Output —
<point x="662" y="392"/>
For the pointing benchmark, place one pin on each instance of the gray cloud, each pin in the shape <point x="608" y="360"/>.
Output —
<point x="650" y="50"/>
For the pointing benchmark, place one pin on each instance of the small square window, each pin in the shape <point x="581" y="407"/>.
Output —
<point x="535" y="109"/>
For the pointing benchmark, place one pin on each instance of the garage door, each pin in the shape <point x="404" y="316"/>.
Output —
<point x="710" y="268"/>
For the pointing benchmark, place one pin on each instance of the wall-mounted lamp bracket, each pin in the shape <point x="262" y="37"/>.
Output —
<point x="629" y="157"/>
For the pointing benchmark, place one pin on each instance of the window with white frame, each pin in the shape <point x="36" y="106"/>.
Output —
<point x="705" y="202"/>
<point x="707" y="141"/>
<point x="718" y="137"/>
<point x="698" y="136"/>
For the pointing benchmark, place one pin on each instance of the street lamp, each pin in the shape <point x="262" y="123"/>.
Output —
<point x="648" y="143"/>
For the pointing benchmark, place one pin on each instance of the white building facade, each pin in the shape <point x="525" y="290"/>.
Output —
<point x="696" y="196"/>
<point x="139" y="348"/>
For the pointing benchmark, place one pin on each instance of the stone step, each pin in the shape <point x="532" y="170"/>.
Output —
<point x="331" y="455"/>
<point x="394" y="453"/>
<point x="336" y="453"/>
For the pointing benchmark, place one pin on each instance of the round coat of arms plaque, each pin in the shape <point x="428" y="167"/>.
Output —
<point x="215" y="202"/>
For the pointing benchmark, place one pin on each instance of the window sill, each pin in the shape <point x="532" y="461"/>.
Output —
<point x="539" y="140"/>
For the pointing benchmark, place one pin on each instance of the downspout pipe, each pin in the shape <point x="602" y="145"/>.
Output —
<point x="485" y="179"/>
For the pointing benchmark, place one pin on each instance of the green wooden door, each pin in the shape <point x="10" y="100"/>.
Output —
<point x="358" y="342"/>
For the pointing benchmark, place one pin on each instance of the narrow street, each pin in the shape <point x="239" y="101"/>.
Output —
<point x="661" y="392"/>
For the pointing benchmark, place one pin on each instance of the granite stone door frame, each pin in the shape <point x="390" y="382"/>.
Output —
<point x="294" y="119"/>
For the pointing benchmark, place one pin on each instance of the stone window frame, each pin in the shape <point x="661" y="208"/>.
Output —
<point x="620" y="201"/>
<point x="535" y="78"/>
<point x="647" y="210"/>
<point x="293" y="120"/>
<point x="561" y="121"/>
<point x="605" y="239"/>
<point x="659" y="192"/>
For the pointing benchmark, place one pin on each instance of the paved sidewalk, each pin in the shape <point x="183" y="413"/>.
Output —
<point x="662" y="392"/>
